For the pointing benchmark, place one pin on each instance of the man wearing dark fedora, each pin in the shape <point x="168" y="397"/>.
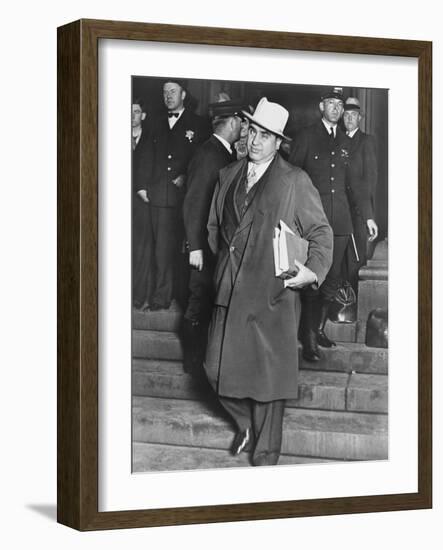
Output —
<point x="252" y="357"/>
<point x="213" y="155"/>
<point x="362" y="179"/>
<point x="176" y="135"/>
<point x="322" y="150"/>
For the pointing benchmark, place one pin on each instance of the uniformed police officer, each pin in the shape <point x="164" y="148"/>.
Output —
<point x="322" y="150"/>
<point x="175" y="137"/>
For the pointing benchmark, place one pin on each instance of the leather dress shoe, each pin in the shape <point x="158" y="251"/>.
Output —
<point x="323" y="340"/>
<point x="157" y="307"/>
<point x="242" y="442"/>
<point x="266" y="459"/>
<point x="311" y="355"/>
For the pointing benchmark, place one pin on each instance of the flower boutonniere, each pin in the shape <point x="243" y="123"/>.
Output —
<point x="190" y="135"/>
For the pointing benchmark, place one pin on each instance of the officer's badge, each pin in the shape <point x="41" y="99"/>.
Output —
<point x="190" y="135"/>
<point x="344" y="153"/>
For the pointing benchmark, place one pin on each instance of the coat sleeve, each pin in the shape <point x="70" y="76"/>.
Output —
<point x="362" y="178"/>
<point x="201" y="179"/>
<point x="144" y="170"/>
<point x="313" y="225"/>
<point x="370" y="170"/>
<point x="214" y="221"/>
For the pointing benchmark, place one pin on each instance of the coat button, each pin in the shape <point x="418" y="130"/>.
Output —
<point x="332" y="178"/>
<point x="169" y="156"/>
<point x="169" y="168"/>
<point x="316" y="157"/>
<point x="332" y="190"/>
<point x="332" y="152"/>
<point x="332" y="165"/>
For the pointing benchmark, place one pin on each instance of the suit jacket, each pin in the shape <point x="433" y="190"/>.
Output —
<point x="202" y="176"/>
<point x="325" y="160"/>
<point x="259" y="356"/>
<point x="169" y="155"/>
<point x="362" y="174"/>
<point x="139" y="158"/>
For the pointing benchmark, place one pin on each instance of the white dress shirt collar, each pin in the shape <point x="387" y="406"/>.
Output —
<point x="224" y="142"/>
<point x="259" y="169"/>
<point x="172" y="121"/>
<point x="352" y="134"/>
<point x="330" y="126"/>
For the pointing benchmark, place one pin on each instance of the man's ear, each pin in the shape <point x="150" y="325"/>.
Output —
<point x="278" y="143"/>
<point x="183" y="95"/>
<point x="143" y="116"/>
<point x="321" y="106"/>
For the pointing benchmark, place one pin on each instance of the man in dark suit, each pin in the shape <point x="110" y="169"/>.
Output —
<point x="362" y="178"/>
<point x="175" y="137"/>
<point x="323" y="151"/>
<point x="141" y="224"/>
<point x="252" y="357"/>
<point x="202" y="176"/>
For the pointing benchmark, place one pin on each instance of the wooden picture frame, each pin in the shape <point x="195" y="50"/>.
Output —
<point x="78" y="465"/>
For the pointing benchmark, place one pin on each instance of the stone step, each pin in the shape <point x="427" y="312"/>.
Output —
<point x="327" y="434"/>
<point x="153" y="457"/>
<point x="317" y="389"/>
<point x="168" y="320"/>
<point x="351" y="357"/>
<point x="341" y="332"/>
<point x="345" y="357"/>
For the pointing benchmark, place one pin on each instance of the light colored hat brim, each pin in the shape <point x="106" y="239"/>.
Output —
<point x="252" y="119"/>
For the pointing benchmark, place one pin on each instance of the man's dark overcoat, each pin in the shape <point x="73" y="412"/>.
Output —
<point x="362" y="174"/>
<point x="141" y="223"/>
<point x="255" y="353"/>
<point x="202" y="177"/>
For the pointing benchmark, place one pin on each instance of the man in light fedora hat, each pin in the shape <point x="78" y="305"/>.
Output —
<point x="252" y="357"/>
<point x="362" y="183"/>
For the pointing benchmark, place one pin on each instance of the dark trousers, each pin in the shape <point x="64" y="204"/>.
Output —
<point x="166" y="238"/>
<point x="265" y="419"/>
<point x="201" y="291"/>
<point x="142" y="252"/>
<point x="352" y="264"/>
<point x="334" y="277"/>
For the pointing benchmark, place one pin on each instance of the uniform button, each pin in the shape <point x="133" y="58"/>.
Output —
<point x="169" y="168"/>
<point x="332" y="165"/>
<point x="332" y="178"/>
<point x="332" y="152"/>
<point x="316" y="157"/>
<point x="169" y="156"/>
<point x="231" y="248"/>
<point x="332" y="190"/>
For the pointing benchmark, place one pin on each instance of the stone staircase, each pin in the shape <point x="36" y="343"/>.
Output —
<point x="340" y="413"/>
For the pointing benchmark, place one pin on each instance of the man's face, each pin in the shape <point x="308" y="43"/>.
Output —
<point x="173" y="96"/>
<point x="262" y="144"/>
<point x="332" y="109"/>
<point x="244" y="127"/>
<point x="137" y="115"/>
<point x="237" y="125"/>
<point x="351" y="120"/>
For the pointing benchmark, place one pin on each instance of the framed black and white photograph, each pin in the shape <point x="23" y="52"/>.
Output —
<point x="338" y="406"/>
<point x="237" y="339"/>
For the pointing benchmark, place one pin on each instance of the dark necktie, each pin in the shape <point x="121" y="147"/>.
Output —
<point x="173" y="115"/>
<point x="134" y="143"/>
<point x="332" y="134"/>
